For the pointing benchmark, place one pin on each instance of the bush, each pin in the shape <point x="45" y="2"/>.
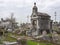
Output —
<point x="1" y="42"/>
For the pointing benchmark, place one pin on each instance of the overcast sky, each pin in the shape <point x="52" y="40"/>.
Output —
<point x="23" y="8"/>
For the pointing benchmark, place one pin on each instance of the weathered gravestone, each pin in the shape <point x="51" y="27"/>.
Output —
<point x="45" y="36"/>
<point x="44" y="33"/>
<point x="55" y="37"/>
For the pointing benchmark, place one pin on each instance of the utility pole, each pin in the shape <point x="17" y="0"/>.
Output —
<point x="55" y="17"/>
<point x="55" y="21"/>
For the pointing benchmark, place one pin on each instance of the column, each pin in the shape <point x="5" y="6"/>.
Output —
<point x="38" y="27"/>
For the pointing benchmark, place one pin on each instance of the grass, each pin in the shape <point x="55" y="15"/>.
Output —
<point x="14" y="34"/>
<point x="10" y="39"/>
<point x="1" y="42"/>
<point x="36" y="43"/>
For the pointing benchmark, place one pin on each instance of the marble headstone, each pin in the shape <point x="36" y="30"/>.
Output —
<point x="55" y="36"/>
<point x="44" y="33"/>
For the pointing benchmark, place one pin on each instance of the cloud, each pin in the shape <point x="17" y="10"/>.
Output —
<point x="23" y="8"/>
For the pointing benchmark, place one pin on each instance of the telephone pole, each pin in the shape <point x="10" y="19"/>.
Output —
<point x="55" y="21"/>
<point x="55" y="17"/>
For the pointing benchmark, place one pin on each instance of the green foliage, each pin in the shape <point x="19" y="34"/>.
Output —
<point x="1" y="42"/>
<point x="31" y="43"/>
<point x="14" y="34"/>
<point x="10" y="39"/>
<point x="50" y="35"/>
<point x="36" y="43"/>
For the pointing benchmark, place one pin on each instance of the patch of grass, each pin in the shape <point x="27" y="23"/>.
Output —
<point x="36" y="43"/>
<point x="14" y="34"/>
<point x="49" y="35"/>
<point x="31" y="42"/>
<point x="1" y="42"/>
<point x="10" y="39"/>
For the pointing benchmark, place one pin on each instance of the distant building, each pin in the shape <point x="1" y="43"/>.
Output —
<point x="40" y="21"/>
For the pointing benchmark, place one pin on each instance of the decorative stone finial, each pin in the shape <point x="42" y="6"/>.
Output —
<point x="35" y="3"/>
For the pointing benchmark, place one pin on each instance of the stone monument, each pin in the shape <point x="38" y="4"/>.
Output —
<point x="40" y="21"/>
